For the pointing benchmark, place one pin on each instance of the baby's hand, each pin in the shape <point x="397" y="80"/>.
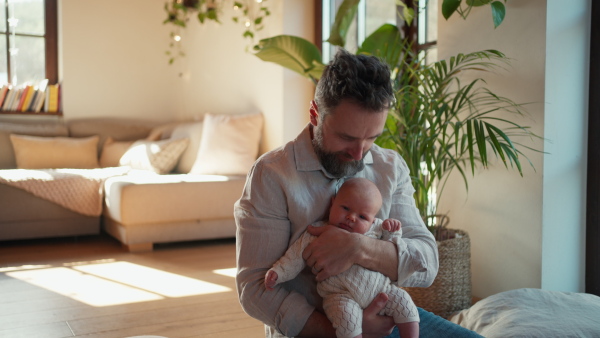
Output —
<point x="270" y="279"/>
<point x="391" y="225"/>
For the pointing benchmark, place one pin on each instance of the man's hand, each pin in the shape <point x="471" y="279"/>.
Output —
<point x="373" y="324"/>
<point x="270" y="279"/>
<point x="332" y="252"/>
<point x="391" y="225"/>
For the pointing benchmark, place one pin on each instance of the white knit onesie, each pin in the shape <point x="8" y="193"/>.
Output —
<point x="347" y="294"/>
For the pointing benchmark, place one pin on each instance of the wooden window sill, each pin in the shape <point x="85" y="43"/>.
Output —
<point x="59" y="113"/>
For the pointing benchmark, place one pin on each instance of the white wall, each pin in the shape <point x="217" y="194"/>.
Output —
<point x="112" y="60"/>
<point x="113" y="63"/>
<point x="515" y="223"/>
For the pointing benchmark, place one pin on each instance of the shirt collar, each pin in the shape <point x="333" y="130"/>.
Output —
<point x="306" y="158"/>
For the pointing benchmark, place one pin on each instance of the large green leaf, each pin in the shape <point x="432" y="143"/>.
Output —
<point x="293" y="53"/>
<point x="449" y="7"/>
<point x="386" y="42"/>
<point x="498" y="12"/>
<point x="343" y="19"/>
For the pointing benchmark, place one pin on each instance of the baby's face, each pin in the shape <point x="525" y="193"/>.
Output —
<point x="353" y="212"/>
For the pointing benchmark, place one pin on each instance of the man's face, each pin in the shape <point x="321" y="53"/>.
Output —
<point x="344" y="137"/>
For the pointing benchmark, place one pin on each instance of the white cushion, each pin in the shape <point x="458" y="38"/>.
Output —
<point x="157" y="156"/>
<point x="229" y="144"/>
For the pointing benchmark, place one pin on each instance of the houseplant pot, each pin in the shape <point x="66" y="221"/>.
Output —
<point x="451" y="289"/>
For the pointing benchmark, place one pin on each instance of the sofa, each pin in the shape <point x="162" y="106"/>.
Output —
<point x="142" y="182"/>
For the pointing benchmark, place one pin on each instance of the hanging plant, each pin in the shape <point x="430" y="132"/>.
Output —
<point x="450" y="7"/>
<point x="250" y="13"/>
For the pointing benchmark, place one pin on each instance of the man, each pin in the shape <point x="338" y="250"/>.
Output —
<point x="291" y="187"/>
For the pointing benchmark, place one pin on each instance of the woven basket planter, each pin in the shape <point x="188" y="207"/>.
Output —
<point x="451" y="290"/>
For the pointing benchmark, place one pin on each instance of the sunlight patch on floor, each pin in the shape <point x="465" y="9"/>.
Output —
<point x="153" y="280"/>
<point x="226" y="272"/>
<point x="22" y="267"/>
<point x="88" y="289"/>
<point x="114" y="282"/>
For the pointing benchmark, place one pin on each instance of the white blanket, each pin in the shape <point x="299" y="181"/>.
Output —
<point x="533" y="313"/>
<point x="79" y="190"/>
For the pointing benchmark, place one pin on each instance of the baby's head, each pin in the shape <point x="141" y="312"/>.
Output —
<point x="355" y="205"/>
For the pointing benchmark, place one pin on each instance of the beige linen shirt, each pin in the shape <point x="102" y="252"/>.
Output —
<point x="286" y="190"/>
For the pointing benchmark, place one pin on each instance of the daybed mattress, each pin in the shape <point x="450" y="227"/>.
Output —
<point x="23" y="216"/>
<point x="146" y="198"/>
<point x="533" y="313"/>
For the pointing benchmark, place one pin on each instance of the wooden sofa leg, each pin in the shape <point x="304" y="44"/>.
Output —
<point x="139" y="247"/>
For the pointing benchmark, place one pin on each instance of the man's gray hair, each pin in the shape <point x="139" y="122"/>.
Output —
<point x="364" y="80"/>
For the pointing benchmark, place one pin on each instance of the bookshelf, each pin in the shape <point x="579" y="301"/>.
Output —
<point x="39" y="99"/>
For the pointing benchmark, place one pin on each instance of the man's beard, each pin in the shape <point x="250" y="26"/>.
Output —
<point x="331" y="161"/>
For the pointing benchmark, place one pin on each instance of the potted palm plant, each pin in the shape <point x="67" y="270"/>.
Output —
<point x="440" y="124"/>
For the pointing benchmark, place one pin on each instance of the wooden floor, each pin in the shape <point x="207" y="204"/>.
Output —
<point x="92" y="287"/>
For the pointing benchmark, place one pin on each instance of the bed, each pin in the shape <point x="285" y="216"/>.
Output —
<point x="533" y="313"/>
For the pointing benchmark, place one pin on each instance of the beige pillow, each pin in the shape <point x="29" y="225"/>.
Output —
<point x="158" y="156"/>
<point x="34" y="152"/>
<point x="7" y="155"/>
<point x="193" y="131"/>
<point x="112" y="151"/>
<point x="229" y="144"/>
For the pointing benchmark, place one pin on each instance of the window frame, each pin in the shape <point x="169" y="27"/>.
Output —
<point x="51" y="42"/>
<point x="410" y="32"/>
<point x="592" y="251"/>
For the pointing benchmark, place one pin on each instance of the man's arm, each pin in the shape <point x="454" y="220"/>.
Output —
<point x="343" y="249"/>
<point x="417" y="249"/>
<point x="262" y="237"/>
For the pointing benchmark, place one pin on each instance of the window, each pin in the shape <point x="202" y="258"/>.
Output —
<point x="28" y="41"/>
<point x="374" y="13"/>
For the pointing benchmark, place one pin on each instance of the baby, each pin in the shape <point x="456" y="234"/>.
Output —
<point x="347" y="294"/>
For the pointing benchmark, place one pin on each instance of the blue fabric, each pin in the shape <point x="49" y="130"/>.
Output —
<point x="433" y="326"/>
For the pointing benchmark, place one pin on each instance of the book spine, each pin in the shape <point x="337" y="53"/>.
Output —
<point x="3" y="94"/>
<point x="9" y="98"/>
<point x="23" y="98"/>
<point x="17" y="99"/>
<point x="41" y="96"/>
<point x="53" y="99"/>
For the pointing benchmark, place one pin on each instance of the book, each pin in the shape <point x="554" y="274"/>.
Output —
<point x="15" y="102"/>
<point x="47" y="100"/>
<point x="27" y="91"/>
<point x="31" y="92"/>
<point x="9" y="98"/>
<point x="59" y="104"/>
<point x="3" y="93"/>
<point x="32" y="101"/>
<point x="52" y="98"/>
<point x="41" y="96"/>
